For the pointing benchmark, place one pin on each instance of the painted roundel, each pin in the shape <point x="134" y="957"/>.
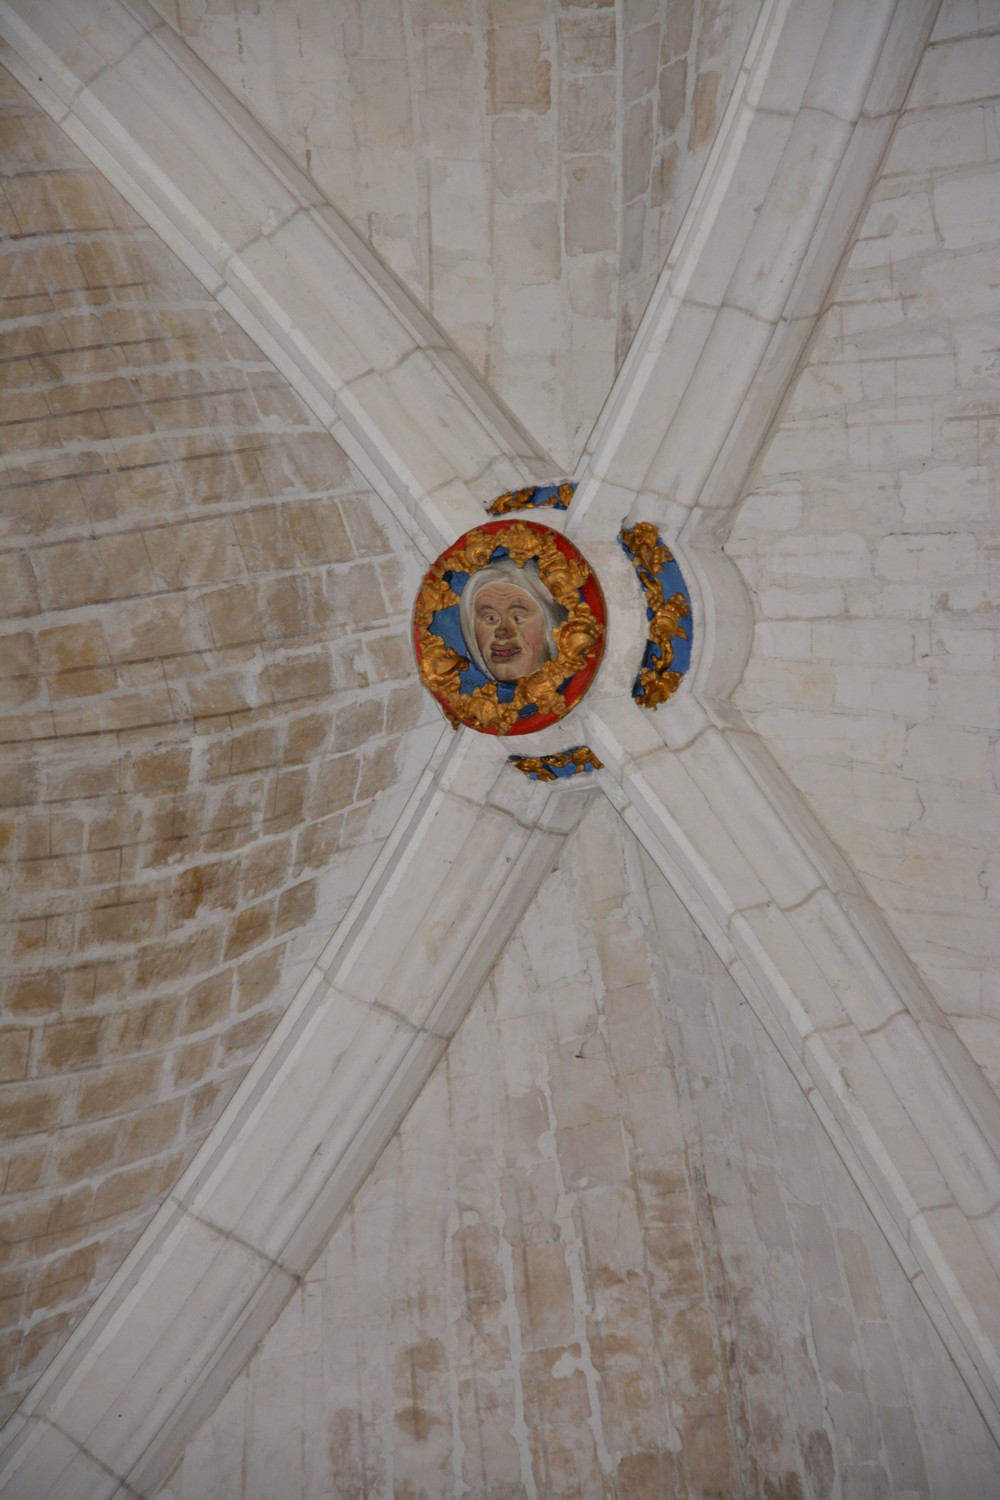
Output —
<point x="509" y="628"/>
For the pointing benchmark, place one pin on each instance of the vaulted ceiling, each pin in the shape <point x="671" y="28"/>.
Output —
<point x="418" y="241"/>
<point x="522" y="168"/>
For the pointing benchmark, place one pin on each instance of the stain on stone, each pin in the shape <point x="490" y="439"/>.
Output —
<point x="788" y="1487"/>
<point x="420" y="1381"/>
<point x="347" y="1454"/>
<point x="641" y="1475"/>
<point x="704" y="114"/>
<point x="818" y="1455"/>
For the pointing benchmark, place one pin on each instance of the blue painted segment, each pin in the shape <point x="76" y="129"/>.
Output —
<point x="560" y="773"/>
<point x="553" y="496"/>
<point x="671" y="581"/>
<point x="548" y="494"/>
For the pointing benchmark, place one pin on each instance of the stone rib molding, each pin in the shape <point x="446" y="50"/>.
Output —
<point x="751" y="864"/>
<point x="915" y="1121"/>
<point x="796" y="156"/>
<point x="226" y="1251"/>
<point x="809" y="120"/>
<point x="416" y="419"/>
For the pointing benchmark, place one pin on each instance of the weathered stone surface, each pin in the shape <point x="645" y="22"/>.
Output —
<point x="876" y="637"/>
<point x="217" y="681"/>
<point x="420" y="137"/>
<point x="497" y="1316"/>
<point x="184" y="622"/>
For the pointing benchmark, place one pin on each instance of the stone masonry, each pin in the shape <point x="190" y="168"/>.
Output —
<point x="207" y="685"/>
<point x="607" y="1254"/>
<point x="869" y="540"/>
<point x="666" y="1218"/>
<point x="481" y="147"/>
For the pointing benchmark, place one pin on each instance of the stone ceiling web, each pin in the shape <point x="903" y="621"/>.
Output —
<point x="748" y="274"/>
<point x="522" y="168"/>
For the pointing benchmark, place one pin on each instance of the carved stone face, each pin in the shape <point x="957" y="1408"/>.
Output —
<point x="510" y="631"/>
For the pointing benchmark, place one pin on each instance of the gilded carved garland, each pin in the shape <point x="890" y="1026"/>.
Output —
<point x="556" y="495"/>
<point x="579" y="638"/>
<point x="548" y="767"/>
<point x="657" y="679"/>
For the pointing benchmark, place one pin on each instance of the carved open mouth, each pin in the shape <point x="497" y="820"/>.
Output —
<point x="504" y="653"/>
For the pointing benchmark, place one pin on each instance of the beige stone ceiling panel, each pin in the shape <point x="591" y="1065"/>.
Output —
<point x="608" y="1252"/>
<point x="869" y="540"/>
<point x="522" y="167"/>
<point x="209" y="718"/>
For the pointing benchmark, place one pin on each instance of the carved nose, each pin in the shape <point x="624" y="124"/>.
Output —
<point x="504" y="629"/>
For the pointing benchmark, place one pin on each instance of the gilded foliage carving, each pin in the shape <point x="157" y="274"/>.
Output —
<point x="557" y="496"/>
<point x="547" y="767"/>
<point x="579" y="639"/>
<point x="650" y="558"/>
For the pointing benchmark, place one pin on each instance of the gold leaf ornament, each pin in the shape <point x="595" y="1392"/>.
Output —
<point x="544" y="767"/>
<point x="524" y="499"/>
<point x="578" y="639"/>
<point x="649" y="556"/>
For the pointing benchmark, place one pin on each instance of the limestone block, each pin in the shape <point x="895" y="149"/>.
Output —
<point x="963" y="69"/>
<point x="928" y="497"/>
<point x="943" y="752"/>
<point x="520" y="72"/>
<point x="967" y="206"/>
<point x="381" y="104"/>
<point x="528" y="236"/>
<point x="445" y="117"/>
<point x="375" y="30"/>
<point x="641" y="55"/>
<point x="591" y="281"/>
<point x="589" y="205"/>
<point x="458" y="207"/>
<point x="636" y="164"/>
<point x="522" y="156"/>
<point x="587" y="40"/>
<point x="74" y="54"/>
<point x="867" y="689"/>
<point x="587" y="114"/>
<point x="450" y="60"/>
<point x="846" y="555"/>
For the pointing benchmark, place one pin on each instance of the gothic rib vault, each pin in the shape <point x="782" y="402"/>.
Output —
<point x="748" y="274"/>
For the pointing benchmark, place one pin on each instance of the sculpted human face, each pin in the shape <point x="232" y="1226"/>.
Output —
<point x="510" y="631"/>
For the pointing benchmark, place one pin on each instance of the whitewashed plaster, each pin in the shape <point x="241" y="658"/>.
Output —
<point x="806" y="946"/>
<point x="607" y="1246"/>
